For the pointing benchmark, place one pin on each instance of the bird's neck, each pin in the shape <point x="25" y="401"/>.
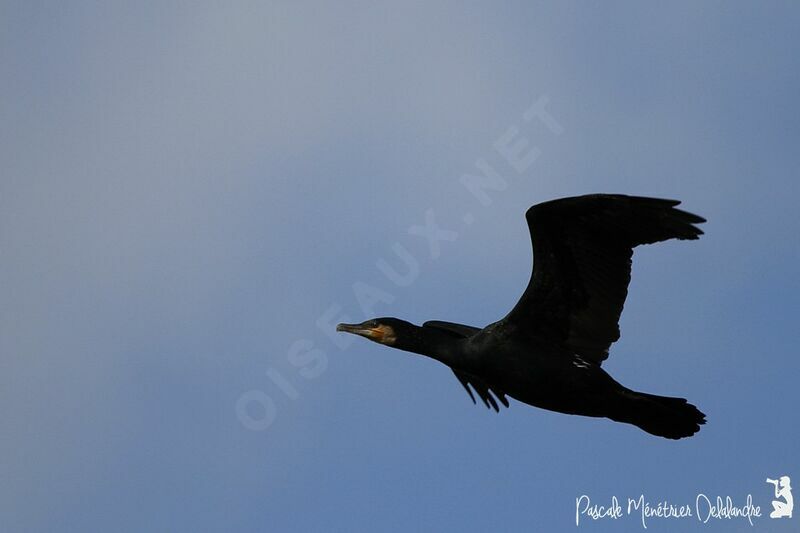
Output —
<point x="431" y="343"/>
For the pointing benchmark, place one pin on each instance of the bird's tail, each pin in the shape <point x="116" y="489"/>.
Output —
<point x="672" y="418"/>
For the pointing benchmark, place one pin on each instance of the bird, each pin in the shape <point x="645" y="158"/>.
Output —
<point x="548" y="351"/>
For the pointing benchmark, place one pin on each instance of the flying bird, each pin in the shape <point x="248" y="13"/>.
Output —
<point x="548" y="351"/>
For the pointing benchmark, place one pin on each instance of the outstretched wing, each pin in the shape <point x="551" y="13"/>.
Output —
<point x="483" y="390"/>
<point x="582" y="250"/>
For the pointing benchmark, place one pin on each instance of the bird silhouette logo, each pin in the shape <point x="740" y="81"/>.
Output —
<point x="783" y="490"/>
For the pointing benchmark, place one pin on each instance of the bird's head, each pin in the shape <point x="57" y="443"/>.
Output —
<point x="385" y="330"/>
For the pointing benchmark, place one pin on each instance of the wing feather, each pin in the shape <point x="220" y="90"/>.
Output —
<point x="484" y="391"/>
<point x="583" y="249"/>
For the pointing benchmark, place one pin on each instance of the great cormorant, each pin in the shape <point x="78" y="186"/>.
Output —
<point x="548" y="350"/>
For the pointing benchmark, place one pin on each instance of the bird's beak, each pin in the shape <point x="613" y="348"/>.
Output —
<point x="358" y="329"/>
<point x="348" y="328"/>
<point x="379" y="334"/>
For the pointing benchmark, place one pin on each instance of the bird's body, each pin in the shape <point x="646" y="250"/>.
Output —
<point x="547" y="352"/>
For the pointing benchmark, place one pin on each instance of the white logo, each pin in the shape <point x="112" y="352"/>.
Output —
<point x="705" y="509"/>
<point x="783" y="489"/>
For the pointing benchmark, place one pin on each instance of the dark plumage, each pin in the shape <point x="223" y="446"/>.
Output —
<point x="548" y="350"/>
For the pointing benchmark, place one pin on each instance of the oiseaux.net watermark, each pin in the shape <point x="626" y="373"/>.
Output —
<point x="702" y="509"/>
<point x="513" y="152"/>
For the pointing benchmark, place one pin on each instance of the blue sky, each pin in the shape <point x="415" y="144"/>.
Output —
<point x="189" y="190"/>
